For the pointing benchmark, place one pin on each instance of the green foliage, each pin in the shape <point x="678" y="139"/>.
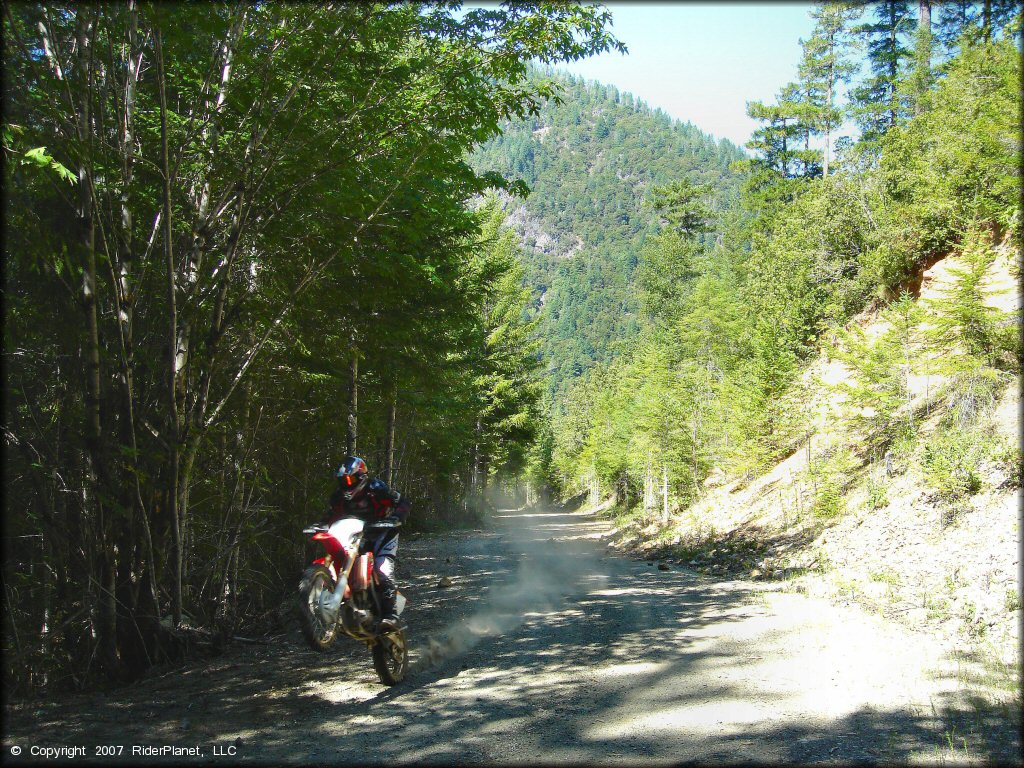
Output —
<point x="971" y="393"/>
<point x="828" y="475"/>
<point x="876" y="104"/>
<point x="881" y="368"/>
<point x="805" y="272"/>
<point x="877" y="496"/>
<point x="1011" y="600"/>
<point x="964" y="319"/>
<point x="592" y="162"/>
<point x="950" y="459"/>
<point x="955" y="456"/>
<point x="509" y="359"/>
<point x="682" y="205"/>
<point x="268" y="197"/>
<point x="825" y="65"/>
<point x="1007" y="455"/>
<point x="728" y="316"/>
<point x="957" y="163"/>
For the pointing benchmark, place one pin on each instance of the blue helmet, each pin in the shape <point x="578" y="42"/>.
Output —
<point x="352" y="476"/>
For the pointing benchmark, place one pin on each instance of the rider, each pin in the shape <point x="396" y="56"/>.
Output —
<point x="369" y="500"/>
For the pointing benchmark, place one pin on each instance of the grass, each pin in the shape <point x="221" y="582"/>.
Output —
<point x="887" y="576"/>
<point x="951" y="737"/>
<point x="937" y="608"/>
<point x="847" y="585"/>
<point x="1011" y="600"/>
<point x="829" y="474"/>
<point x="877" y="496"/>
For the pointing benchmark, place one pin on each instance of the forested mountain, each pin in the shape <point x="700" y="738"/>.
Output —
<point x="591" y="160"/>
<point x="734" y="306"/>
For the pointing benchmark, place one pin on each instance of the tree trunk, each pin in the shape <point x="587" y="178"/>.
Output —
<point x="664" y="494"/>
<point x="893" y="67"/>
<point x="389" y="447"/>
<point x="477" y="459"/>
<point x="144" y="628"/>
<point x="174" y="422"/>
<point x="923" y="64"/>
<point x="648" y="486"/>
<point x="353" y="403"/>
<point x="784" y="159"/>
<point x="97" y="476"/>
<point x="828" y="126"/>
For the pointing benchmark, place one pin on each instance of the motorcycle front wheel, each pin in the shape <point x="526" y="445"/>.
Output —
<point x="391" y="657"/>
<point x="319" y="634"/>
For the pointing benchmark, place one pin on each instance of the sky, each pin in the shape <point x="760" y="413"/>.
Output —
<point x="702" y="62"/>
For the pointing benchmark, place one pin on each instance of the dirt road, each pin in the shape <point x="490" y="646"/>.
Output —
<point x="547" y="648"/>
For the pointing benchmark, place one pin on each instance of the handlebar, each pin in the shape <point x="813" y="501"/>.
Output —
<point x="387" y="523"/>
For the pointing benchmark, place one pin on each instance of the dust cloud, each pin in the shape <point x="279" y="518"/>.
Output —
<point x="550" y="569"/>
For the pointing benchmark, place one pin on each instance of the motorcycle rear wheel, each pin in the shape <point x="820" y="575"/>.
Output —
<point x="318" y="634"/>
<point x="391" y="657"/>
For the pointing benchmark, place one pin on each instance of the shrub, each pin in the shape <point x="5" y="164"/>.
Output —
<point x="876" y="495"/>
<point x="971" y="394"/>
<point x="829" y="475"/>
<point x="950" y="461"/>
<point x="1006" y="455"/>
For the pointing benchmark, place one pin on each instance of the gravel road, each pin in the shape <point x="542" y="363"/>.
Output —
<point x="550" y="648"/>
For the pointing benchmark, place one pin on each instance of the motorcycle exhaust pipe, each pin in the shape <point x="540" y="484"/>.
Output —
<point x="331" y="603"/>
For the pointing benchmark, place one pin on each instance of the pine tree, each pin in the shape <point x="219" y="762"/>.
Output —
<point x="922" y="57"/>
<point x="826" y="64"/>
<point x="882" y="367"/>
<point x="797" y="100"/>
<point x="961" y="319"/>
<point x="876" y="104"/>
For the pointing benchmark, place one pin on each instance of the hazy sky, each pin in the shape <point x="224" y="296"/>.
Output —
<point x="702" y="62"/>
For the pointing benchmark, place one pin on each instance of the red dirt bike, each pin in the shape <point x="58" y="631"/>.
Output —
<point x="339" y="593"/>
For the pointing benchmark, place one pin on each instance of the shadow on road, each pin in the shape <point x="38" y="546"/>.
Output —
<point x="567" y="655"/>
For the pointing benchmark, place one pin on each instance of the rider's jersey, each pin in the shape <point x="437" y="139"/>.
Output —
<point x="377" y="501"/>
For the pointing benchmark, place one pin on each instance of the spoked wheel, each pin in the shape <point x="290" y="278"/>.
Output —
<point x="391" y="657"/>
<point x="315" y="581"/>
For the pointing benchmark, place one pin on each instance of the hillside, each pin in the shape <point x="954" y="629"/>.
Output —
<point x="899" y="540"/>
<point x="590" y="162"/>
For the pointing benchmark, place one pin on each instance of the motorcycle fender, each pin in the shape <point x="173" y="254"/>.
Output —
<point x="361" y="573"/>
<point x="329" y="566"/>
<point x="399" y="603"/>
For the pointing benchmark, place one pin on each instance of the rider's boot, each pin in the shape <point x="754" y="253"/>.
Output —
<point x="389" y="616"/>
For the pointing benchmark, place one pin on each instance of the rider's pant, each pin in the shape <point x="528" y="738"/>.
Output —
<point x="385" y="549"/>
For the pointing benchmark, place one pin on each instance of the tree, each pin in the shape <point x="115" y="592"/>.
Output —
<point x="682" y="205"/>
<point x="509" y="358"/>
<point x="876" y="103"/>
<point x="825" y="65"/>
<point x="251" y="185"/>
<point x="882" y="367"/>
<point x="956" y="163"/>
<point x="923" y="56"/>
<point x="962" y="319"/>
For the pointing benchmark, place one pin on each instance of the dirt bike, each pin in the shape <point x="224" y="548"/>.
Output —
<point x="339" y="593"/>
